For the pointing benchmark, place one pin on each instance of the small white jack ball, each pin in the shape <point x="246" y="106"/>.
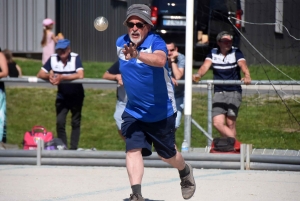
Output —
<point x="101" y="23"/>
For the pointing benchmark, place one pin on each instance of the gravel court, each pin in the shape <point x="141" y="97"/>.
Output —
<point x="49" y="183"/>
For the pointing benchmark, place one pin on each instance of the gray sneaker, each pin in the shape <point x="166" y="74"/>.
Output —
<point x="136" y="197"/>
<point x="188" y="185"/>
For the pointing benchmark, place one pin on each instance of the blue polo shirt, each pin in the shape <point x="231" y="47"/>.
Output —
<point x="73" y="65"/>
<point x="226" y="68"/>
<point x="149" y="89"/>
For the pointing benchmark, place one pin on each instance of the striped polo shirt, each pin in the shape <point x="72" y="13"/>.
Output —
<point x="73" y="65"/>
<point x="226" y="68"/>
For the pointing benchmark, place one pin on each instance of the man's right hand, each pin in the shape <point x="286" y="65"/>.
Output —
<point x="174" y="81"/>
<point x="119" y="79"/>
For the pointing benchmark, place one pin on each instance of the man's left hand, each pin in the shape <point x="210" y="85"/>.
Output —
<point x="55" y="79"/>
<point x="246" y="80"/>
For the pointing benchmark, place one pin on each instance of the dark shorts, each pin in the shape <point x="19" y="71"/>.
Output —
<point x="226" y="103"/>
<point x="143" y="134"/>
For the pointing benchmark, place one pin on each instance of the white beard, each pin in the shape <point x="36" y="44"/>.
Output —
<point x="134" y="40"/>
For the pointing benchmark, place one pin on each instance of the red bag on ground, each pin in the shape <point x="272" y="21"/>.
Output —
<point x="31" y="137"/>
<point x="225" y="145"/>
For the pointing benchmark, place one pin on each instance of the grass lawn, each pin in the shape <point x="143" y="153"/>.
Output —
<point x="263" y="121"/>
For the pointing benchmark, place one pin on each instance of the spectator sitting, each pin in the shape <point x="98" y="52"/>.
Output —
<point x="14" y="69"/>
<point x="176" y="63"/>
<point x="3" y="73"/>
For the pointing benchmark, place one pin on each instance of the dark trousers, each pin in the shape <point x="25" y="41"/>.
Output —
<point x="63" y="106"/>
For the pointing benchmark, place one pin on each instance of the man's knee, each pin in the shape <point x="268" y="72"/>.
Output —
<point x="218" y="124"/>
<point x="60" y="123"/>
<point x="75" y="124"/>
<point x="167" y="160"/>
<point x="231" y="126"/>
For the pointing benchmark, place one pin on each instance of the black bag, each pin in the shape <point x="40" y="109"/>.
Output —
<point x="223" y="144"/>
<point x="55" y="144"/>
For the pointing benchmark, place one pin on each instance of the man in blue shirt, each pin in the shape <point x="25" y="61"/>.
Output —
<point x="226" y="61"/>
<point x="66" y="65"/>
<point x="150" y="113"/>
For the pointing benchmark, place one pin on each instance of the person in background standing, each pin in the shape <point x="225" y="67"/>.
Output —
<point x="113" y="73"/>
<point x="227" y="62"/>
<point x="14" y="70"/>
<point x="3" y="73"/>
<point x="176" y="62"/>
<point x="49" y="40"/>
<point x="66" y="65"/>
<point x="150" y="113"/>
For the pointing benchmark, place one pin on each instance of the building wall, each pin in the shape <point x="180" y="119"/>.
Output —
<point x="76" y="22"/>
<point x="76" y="18"/>
<point x="278" y="48"/>
<point x="21" y="24"/>
<point x="21" y="27"/>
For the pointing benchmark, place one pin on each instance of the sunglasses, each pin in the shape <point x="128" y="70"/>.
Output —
<point x="139" y="25"/>
<point x="225" y="41"/>
<point x="61" y="51"/>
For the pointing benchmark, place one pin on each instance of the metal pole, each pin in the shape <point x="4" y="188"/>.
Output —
<point x="103" y="81"/>
<point x="209" y="110"/>
<point x="117" y="158"/>
<point x="39" y="151"/>
<point x="248" y="152"/>
<point x="188" y="70"/>
<point x="242" y="155"/>
<point x="201" y="129"/>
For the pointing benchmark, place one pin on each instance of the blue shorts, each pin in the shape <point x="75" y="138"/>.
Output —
<point x="142" y="135"/>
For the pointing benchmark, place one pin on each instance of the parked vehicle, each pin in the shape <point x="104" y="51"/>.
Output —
<point x="211" y="17"/>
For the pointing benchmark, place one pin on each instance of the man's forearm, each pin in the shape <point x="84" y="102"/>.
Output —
<point x="153" y="59"/>
<point x="246" y="72"/>
<point x="43" y="75"/>
<point x="176" y="72"/>
<point x="72" y="77"/>
<point x="109" y="76"/>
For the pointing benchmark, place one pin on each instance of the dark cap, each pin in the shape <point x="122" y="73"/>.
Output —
<point x="140" y="10"/>
<point x="223" y="33"/>
<point x="62" y="44"/>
